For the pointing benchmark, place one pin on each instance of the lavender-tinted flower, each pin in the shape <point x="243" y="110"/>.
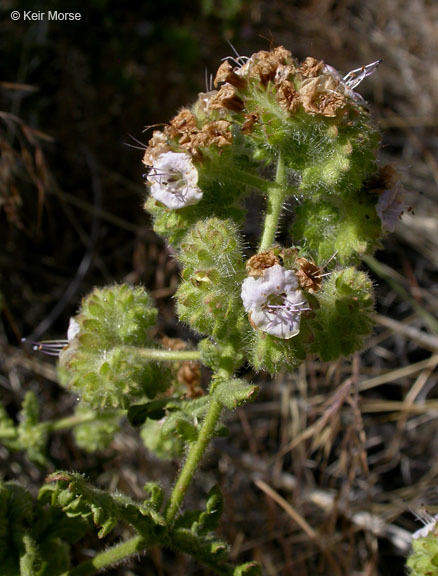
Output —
<point x="173" y="180"/>
<point x="430" y="527"/>
<point x="352" y="79"/>
<point x="273" y="302"/>
<point x="391" y="206"/>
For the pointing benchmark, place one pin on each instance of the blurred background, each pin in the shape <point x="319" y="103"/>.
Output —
<point x="319" y="475"/>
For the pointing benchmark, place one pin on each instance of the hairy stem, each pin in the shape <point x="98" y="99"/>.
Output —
<point x="195" y="454"/>
<point x="250" y="179"/>
<point x="167" y="355"/>
<point x="109" y="557"/>
<point x="276" y="194"/>
<point x="72" y="421"/>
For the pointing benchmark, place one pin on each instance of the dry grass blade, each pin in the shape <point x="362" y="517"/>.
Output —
<point x="399" y="373"/>
<point x="287" y="507"/>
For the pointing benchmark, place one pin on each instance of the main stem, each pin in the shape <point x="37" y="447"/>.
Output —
<point x="276" y="194"/>
<point x="195" y="454"/>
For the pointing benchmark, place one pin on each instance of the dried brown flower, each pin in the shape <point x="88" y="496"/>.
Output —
<point x="226" y="97"/>
<point x="251" y="119"/>
<point x="183" y="122"/>
<point x="320" y="95"/>
<point x="385" y="179"/>
<point x="308" y="275"/>
<point x="217" y="133"/>
<point x="288" y="97"/>
<point x="311" y="67"/>
<point x="259" y="262"/>
<point x="263" y="65"/>
<point x="226" y="73"/>
<point x="157" y="145"/>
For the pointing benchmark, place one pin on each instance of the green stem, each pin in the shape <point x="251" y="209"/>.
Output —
<point x="109" y="557"/>
<point x="250" y="179"/>
<point x="276" y="196"/>
<point x="195" y="454"/>
<point x="72" y="421"/>
<point x="166" y="355"/>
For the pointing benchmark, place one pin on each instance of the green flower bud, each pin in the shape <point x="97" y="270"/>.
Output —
<point x="102" y="362"/>
<point x="165" y="446"/>
<point x="272" y="354"/>
<point x="227" y="355"/>
<point x="208" y="298"/>
<point x="343" y="319"/>
<point x="347" y="229"/>
<point x="98" y="432"/>
<point x="32" y="434"/>
<point x="424" y="556"/>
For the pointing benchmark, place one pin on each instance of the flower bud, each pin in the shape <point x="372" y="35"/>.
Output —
<point x="208" y="297"/>
<point x="424" y="556"/>
<point x="343" y="318"/>
<point x="345" y="229"/>
<point x="101" y="363"/>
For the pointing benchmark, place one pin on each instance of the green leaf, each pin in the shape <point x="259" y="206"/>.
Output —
<point x="248" y="569"/>
<point x="155" y="410"/>
<point x="209" y="520"/>
<point x="235" y="392"/>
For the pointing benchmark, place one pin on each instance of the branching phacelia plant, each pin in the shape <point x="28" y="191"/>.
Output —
<point x="290" y="132"/>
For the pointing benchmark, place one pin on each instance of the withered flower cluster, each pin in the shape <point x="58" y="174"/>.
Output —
<point x="313" y="86"/>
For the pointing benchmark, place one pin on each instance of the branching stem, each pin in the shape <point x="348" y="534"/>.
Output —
<point x="76" y="419"/>
<point x="168" y="355"/>
<point x="276" y="194"/>
<point x="109" y="557"/>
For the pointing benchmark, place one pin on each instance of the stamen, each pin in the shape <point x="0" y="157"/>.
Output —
<point x="355" y="77"/>
<point x="47" y="347"/>
<point x="141" y="147"/>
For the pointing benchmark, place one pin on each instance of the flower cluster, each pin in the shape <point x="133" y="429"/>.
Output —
<point x="265" y="109"/>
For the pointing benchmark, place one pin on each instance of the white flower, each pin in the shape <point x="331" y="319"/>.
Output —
<point x="73" y="329"/>
<point x="174" y="180"/>
<point x="390" y="206"/>
<point x="273" y="302"/>
<point x="352" y="79"/>
<point x="57" y="347"/>
<point x="430" y="526"/>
